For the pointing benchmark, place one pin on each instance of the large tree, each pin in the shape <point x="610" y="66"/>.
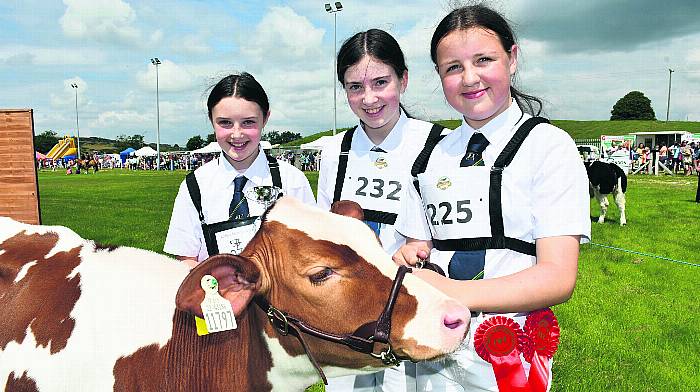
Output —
<point x="276" y="137"/>
<point x="123" y="142"/>
<point x="195" y="142"/>
<point x="633" y="106"/>
<point x="44" y="141"/>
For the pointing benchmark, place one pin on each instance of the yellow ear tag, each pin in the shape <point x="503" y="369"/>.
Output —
<point x="218" y="313"/>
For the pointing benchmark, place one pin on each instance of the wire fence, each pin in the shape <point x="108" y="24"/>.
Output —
<point x="645" y="254"/>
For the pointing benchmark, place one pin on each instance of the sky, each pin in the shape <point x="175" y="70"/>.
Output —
<point x="580" y="56"/>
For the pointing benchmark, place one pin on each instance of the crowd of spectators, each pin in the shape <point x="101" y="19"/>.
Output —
<point x="679" y="158"/>
<point x="304" y="160"/>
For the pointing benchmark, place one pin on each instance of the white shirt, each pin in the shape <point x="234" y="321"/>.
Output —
<point x="215" y="179"/>
<point x="402" y="145"/>
<point x="544" y="190"/>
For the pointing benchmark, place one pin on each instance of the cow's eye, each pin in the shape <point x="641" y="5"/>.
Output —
<point x="321" y="276"/>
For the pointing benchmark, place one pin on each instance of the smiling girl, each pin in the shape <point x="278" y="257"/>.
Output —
<point x="212" y="213"/>
<point x="370" y="163"/>
<point x="503" y="200"/>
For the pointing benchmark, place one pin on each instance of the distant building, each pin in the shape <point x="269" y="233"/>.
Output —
<point x="652" y="139"/>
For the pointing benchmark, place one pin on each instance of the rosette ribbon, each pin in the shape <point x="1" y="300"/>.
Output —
<point x="542" y="330"/>
<point x="499" y="341"/>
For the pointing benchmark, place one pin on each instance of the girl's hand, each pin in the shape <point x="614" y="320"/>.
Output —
<point x="412" y="252"/>
<point x="189" y="261"/>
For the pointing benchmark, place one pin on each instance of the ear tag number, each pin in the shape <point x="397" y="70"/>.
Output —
<point x="218" y="314"/>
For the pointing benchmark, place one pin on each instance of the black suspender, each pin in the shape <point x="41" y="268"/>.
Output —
<point x="274" y="171"/>
<point x="195" y="194"/>
<point x="421" y="161"/>
<point x="496" y="182"/>
<point x="498" y="240"/>
<point x="342" y="163"/>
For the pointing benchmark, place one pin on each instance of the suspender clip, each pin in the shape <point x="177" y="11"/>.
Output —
<point x="496" y="169"/>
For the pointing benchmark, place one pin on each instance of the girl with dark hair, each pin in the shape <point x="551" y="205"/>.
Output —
<point x="214" y="210"/>
<point x="370" y="163"/>
<point x="501" y="203"/>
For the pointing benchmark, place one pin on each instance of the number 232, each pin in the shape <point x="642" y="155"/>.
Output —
<point x="379" y="188"/>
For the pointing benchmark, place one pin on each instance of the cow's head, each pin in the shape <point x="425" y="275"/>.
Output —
<point x="329" y="271"/>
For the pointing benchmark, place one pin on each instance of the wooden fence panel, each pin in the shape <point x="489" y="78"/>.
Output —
<point x="19" y="190"/>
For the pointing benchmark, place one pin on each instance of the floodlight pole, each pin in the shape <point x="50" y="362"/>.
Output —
<point x="334" y="11"/>
<point x="77" y="126"/>
<point x="155" y="61"/>
<point x="668" y="103"/>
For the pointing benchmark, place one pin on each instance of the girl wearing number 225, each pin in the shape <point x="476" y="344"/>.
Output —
<point x="501" y="204"/>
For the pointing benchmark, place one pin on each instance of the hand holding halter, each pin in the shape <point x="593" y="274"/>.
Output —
<point x="426" y="264"/>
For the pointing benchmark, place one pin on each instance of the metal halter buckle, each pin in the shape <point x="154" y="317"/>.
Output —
<point x="276" y="314"/>
<point x="387" y="356"/>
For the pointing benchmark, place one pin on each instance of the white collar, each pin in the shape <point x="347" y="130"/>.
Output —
<point x="390" y="142"/>
<point x="255" y="173"/>
<point x="499" y="128"/>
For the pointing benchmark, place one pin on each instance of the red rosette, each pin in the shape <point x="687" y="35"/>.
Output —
<point x="499" y="341"/>
<point x="498" y="336"/>
<point x="542" y="329"/>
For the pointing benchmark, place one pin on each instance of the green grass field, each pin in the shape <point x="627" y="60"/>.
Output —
<point x="631" y="325"/>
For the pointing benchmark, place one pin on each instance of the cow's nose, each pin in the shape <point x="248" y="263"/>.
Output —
<point x="452" y="323"/>
<point x="455" y="316"/>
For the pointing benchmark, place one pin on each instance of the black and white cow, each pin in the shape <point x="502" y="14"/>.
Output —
<point x="606" y="178"/>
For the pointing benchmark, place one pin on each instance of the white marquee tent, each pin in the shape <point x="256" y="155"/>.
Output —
<point x="209" y="148"/>
<point x="317" y="144"/>
<point x="145" y="151"/>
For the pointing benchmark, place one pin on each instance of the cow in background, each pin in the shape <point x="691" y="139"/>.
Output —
<point x="605" y="178"/>
<point x="81" y="317"/>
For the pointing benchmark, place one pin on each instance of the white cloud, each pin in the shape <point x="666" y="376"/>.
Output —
<point x="23" y="55"/>
<point x="171" y="77"/>
<point x="415" y="44"/>
<point x="283" y="38"/>
<point x="102" y="20"/>
<point x="193" y="44"/>
<point x="66" y="99"/>
<point x="122" y="119"/>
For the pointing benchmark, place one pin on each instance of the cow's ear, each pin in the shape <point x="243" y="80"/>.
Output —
<point x="348" y="208"/>
<point x="238" y="277"/>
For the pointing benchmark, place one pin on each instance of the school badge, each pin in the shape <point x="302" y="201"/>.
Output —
<point x="443" y="183"/>
<point x="381" y="163"/>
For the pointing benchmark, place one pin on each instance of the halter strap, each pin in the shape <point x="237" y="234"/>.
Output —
<point x="362" y="340"/>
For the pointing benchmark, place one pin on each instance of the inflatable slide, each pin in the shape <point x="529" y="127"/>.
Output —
<point x="65" y="147"/>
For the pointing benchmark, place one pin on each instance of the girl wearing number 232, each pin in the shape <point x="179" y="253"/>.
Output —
<point x="501" y="203"/>
<point x="370" y="163"/>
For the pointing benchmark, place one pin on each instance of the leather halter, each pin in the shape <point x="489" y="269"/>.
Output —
<point x="362" y="340"/>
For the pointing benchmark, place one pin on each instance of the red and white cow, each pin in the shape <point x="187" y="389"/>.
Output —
<point x="80" y="317"/>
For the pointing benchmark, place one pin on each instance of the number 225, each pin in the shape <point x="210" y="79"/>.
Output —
<point x="462" y="207"/>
